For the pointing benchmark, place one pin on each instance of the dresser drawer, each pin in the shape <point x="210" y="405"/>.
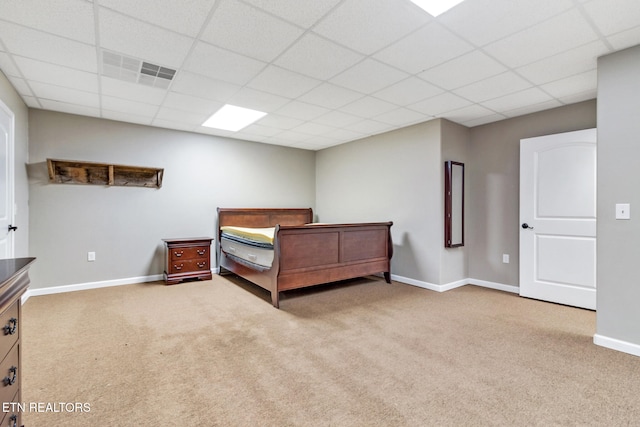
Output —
<point x="10" y="375"/>
<point x="188" y="265"/>
<point x="10" y="329"/>
<point x="189" y="253"/>
<point x="12" y="418"/>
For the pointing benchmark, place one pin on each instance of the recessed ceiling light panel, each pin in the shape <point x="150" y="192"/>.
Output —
<point x="436" y="7"/>
<point x="233" y="118"/>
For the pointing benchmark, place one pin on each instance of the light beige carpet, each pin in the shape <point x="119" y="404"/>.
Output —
<point x="364" y="353"/>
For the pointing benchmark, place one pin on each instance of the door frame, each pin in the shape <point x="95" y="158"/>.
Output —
<point x="11" y="185"/>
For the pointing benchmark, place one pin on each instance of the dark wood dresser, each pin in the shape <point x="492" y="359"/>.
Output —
<point x="188" y="258"/>
<point x="14" y="280"/>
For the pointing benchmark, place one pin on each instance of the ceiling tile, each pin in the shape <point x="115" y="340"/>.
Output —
<point x="440" y="104"/>
<point x="176" y="15"/>
<point x="518" y="100"/>
<point x="129" y="36"/>
<point x="625" y="39"/>
<point x="485" y="21"/>
<point x="317" y="57"/>
<point x="289" y="135"/>
<point x="258" y="100"/>
<point x="312" y="128"/>
<point x="64" y="94"/>
<point x="614" y="17"/>
<point x="203" y="87"/>
<point x="20" y="85"/>
<point x="283" y="82"/>
<point x="126" y="117"/>
<point x="532" y="108"/>
<point x="344" y="134"/>
<point x="408" y="91"/>
<point x="261" y="130"/>
<point x="31" y="102"/>
<point x="132" y="91"/>
<point x="493" y="87"/>
<point x="423" y="49"/>
<point x="170" y="124"/>
<point x="72" y="108"/>
<point x="291" y="11"/>
<point x="483" y="120"/>
<point x="558" y="34"/>
<point x="57" y="75"/>
<point x="369" y="76"/>
<point x="456" y="72"/>
<point x="279" y="122"/>
<point x="470" y="112"/>
<point x="48" y="48"/>
<point x="7" y="66"/>
<point x="302" y="110"/>
<point x="369" y="127"/>
<point x="128" y="106"/>
<point x="330" y="96"/>
<point x="249" y="31"/>
<point x="190" y="103"/>
<point x="401" y="117"/>
<point x="337" y="119"/>
<point x="181" y="116"/>
<point x="384" y="22"/>
<point x="73" y="19"/>
<point x="575" y="61"/>
<point x="368" y="107"/>
<point x="572" y="85"/>
<point x="221" y="64"/>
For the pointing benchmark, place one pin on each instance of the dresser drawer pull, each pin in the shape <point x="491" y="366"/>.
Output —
<point x="13" y="419"/>
<point x="201" y="251"/>
<point x="10" y="329"/>
<point x="178" y="268"/>
<point x="10" y="381"/>
<point x="201" y="264"/>
<point x="178" y="254"/>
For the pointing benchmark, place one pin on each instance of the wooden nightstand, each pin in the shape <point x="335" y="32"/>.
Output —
<point x="188" y="258"/>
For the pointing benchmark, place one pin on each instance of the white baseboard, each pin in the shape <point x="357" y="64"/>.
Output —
<point x="615" y="344"/>
<point x="494" y="285"/>
<point x="95" y="285"/>
<point x="89" y="285"/>
<point x="457" y="284"/>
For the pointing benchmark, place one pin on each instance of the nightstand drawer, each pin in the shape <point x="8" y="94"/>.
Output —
<point x="9" y="375"/>
<point x="188" y="265"/>
<point x="178" y="254"/>
<point x="10" y="331"/>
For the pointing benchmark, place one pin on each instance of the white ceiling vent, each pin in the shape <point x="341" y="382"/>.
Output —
<point x="136" y="70"/>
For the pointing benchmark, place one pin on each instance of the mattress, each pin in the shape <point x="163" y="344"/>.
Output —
<point x="255" y="235"/>
<point x="253" y="253"/>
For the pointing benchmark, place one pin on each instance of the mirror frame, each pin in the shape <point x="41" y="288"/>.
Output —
<point x="449" y="198"/>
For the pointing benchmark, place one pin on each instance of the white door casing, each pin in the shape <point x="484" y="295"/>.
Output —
<point x="6" y="181"/>
<point x="558" y="218"/>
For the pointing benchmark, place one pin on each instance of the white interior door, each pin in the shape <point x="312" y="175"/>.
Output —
<point x="6" y="181"/>
<point x="558" y="218"/>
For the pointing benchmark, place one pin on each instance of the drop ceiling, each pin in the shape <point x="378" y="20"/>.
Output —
<point x="326" y="71"/>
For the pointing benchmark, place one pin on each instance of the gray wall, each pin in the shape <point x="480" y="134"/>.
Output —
<point x="618" y="297"/>
<point x="494" y="175"/>
<point x="11" y="99"/>
<point x="395" y="176"/>
<point x="125" y="225"/>
<point x="455" y="146"/>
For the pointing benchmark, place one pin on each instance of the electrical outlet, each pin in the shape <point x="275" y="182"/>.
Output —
<point x="91" y="256"/>
<point x="505" y="258"/>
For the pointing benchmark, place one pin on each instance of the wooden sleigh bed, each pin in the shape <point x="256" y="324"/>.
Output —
<point x="306" y="254"/>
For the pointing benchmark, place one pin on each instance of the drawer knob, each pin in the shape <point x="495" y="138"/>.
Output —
<point x="201" y="252"/>
<point x="11" y="380"/>
<point x="178" y="254"/>
<point x="201" y="264"/>
<point x="10" y="329"/>
<point x="178" y="268"/>
<point x="13" y="419"/>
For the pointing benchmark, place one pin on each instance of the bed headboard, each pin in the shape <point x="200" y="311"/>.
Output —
<point x="263" y="217"/>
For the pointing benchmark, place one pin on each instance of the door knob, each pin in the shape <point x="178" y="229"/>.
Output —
<point x="12" y="227"/>
<point x="525" y="226"/>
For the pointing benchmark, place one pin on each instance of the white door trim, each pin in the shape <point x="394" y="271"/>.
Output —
<point x="10" y="177"/>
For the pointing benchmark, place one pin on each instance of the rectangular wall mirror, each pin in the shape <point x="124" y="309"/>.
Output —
<point x="453" y="204"/>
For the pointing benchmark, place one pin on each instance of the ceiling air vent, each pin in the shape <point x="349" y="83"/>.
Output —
<point x="136" y="70"/>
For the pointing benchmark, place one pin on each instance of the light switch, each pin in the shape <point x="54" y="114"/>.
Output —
<point x="623" y="211"/>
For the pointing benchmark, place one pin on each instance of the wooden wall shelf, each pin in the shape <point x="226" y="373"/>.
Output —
<point x="80" y="172"/>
